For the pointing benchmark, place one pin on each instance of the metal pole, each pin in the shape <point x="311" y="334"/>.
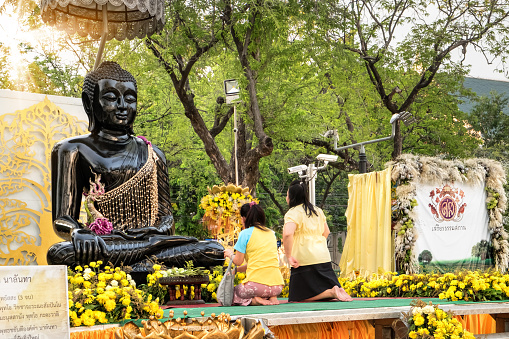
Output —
<point x="103" y="37"/>
<point x="363" y="160"/>
<point x="235" y="130"/>
<point x="311" y="184"/>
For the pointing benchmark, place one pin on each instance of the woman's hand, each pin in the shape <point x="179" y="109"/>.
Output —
<point x="293" y="262"/>
<point x="228" y="253"/>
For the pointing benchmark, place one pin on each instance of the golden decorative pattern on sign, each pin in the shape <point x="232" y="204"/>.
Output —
<point x="26" y="140"/>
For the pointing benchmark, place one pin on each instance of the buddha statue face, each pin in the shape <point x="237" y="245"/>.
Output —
<point x="115" y="105"/>
<point x="109" y="98"/>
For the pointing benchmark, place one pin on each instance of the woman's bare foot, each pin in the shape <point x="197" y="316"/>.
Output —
<point x="340" y="294"/>
<point x="256" y="301"/>
<point x="273" y="301"/>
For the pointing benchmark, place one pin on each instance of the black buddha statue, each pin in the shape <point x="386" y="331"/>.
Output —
<point x="125" y="181"/>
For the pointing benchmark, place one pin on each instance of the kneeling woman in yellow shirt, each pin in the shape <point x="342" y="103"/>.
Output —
<point x="257" y="244"/>
<point x="305" y="240"/>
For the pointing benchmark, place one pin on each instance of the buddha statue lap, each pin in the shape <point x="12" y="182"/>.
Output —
<point x="125" y="181"/>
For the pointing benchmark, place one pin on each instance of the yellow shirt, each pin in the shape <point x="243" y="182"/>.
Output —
<point x="261" y="256"/>
<point x="309" y="244"/>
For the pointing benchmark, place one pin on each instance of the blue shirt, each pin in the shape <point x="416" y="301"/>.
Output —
<point x="244" y="237"/>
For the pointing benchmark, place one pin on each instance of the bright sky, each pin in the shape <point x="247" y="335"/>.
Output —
<point x="12" y="34"/>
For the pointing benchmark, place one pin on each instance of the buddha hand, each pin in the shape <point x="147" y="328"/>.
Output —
<point x="88" y="246"/>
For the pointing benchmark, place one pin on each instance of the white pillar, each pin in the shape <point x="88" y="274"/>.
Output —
<point x="311" y="185"/>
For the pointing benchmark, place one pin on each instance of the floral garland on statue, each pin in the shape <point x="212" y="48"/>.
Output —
<point x="222" y="207"/>
<point x="408" y="167"/>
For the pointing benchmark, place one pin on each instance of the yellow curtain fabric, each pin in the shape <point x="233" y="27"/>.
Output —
<point x="478" y="323"/>
<point x="360" y="329"/>
<point x="108" y="333"/>
<point x="368" y="246"/>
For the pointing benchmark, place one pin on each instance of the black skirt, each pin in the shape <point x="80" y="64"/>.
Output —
<point x="308" y="281"/>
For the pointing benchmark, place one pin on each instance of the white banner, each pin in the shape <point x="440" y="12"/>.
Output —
<point x="452" y="227"/>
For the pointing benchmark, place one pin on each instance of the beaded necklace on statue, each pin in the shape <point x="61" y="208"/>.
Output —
<point x="133" y="204"/>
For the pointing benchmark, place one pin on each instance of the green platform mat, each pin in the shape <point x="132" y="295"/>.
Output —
<point x="194" y="311"/>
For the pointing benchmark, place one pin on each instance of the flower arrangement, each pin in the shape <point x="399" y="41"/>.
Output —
<point x="408" y="167"/>
<point x="222" y="210"/>
<point x="225" y="201"/>
<point x="468" y="286"/>
<point x="429" y="321"/>
<point x="106" y="295"/>
<point x="156" y="289"/>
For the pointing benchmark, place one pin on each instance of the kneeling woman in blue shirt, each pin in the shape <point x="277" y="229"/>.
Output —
<point x="257" y="244"/>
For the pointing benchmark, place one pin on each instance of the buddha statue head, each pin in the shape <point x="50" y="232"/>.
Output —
<point x="109" y="98"/>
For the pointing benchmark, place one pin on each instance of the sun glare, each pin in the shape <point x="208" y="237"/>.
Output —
<point x="14" y="35"/>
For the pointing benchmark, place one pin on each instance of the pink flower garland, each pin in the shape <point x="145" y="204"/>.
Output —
<point x="101" y="226"/>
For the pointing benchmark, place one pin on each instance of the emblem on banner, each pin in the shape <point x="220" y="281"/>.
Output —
<point x="447" y="203"/>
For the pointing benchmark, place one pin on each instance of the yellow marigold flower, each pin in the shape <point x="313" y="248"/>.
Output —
<point x="389" y="290"/>
<point x="89" y="321"/>
<point x="412" y="334"/>
<point x="110" y="305"/>
<point x="418" y="319"/>
<point x="78" y="268"/>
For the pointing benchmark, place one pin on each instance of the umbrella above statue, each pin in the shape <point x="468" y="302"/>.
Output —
<point x="107" y="19"/>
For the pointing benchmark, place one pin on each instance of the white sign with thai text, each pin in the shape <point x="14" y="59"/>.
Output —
<point x="34" y="302"/>
<point x="452" y="227"/>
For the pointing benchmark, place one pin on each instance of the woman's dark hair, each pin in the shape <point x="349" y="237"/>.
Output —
<point x="298" y="194"/>
<point x="256" y="217"/>
<point x="244" y="209"/>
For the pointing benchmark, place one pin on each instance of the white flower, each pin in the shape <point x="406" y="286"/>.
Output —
<point x="416" y="310"/>
<point x="108" y="288"/>
<point x="133" y="283"/>
<point x="428" y="309"/>
<point x="114" y="283"/>
<point x="129" y="277"/>
<point x="86" y="273"/>
<point x="164" y="274"/>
